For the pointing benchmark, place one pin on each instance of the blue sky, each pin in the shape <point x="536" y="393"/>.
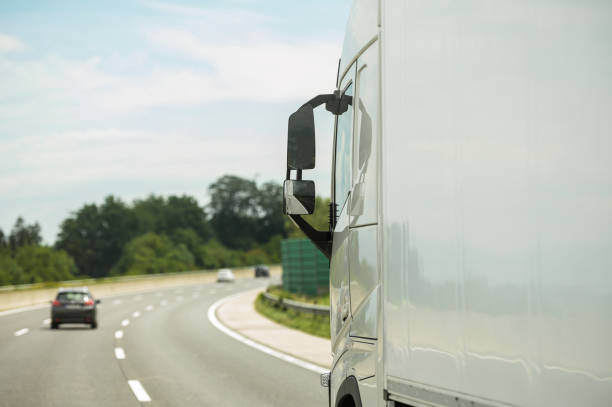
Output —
<point x="138" y="97"/>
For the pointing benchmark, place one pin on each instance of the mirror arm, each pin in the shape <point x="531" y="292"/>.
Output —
<point x="335" y="103"/>
<point x="321" y="239"/>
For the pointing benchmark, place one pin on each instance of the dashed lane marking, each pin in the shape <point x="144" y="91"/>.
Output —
<point x="139" y="391"/>
<point x="118" y="334"/>
<point x="163" y="302"/>
<point x="149" y="308"/>
<point x="47" y="321"/>
<point x="125" y="322"/>
<point x="117" y="302"/>
<point x="22" y="332"/>
<point x="136" y="314"/>
<point x="119" y="353"/>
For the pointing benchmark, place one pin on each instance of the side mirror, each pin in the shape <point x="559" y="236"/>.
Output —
<point x="301" y="139"/>
<point x="298" y="197"/>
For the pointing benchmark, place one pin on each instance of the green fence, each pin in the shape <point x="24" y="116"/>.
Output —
<point x="305" y="268"/>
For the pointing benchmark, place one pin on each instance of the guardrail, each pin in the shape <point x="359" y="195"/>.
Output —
<point x="23" y="296"/>
<point x="296" y="305"/>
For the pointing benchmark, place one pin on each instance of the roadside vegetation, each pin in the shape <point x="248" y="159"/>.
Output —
<point x="279" y="292"/>
<point x="317" y="325"/>
<point x="242" y="225"/>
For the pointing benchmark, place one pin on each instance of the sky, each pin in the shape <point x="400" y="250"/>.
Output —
<point x="137" y="97"/>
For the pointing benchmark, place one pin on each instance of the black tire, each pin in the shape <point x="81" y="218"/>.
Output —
<point x="54" y="325"/>
<point x="94" y="325"/>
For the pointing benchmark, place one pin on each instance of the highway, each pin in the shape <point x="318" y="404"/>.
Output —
<point x="157" y="346"/>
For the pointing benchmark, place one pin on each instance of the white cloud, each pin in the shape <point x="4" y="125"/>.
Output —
<point x="270" y="71"/>
<point x="9" y="44"/>
<point x="66" y="160"/>
<point x="50" y="86"/>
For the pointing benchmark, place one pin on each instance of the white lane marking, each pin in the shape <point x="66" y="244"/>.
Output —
<point x="136" y="314"/>
<point x="117" y="302"/>
<point x="22" y="332"/>
<point x="149" y="308"/>
<point x="118" y="334"/>
<point x="212" y="317"/>
<point x="139" y="391"/>
<point x="47" y="321"/>
<point x="119" y="353"/>
<point x="163" y="302"/>
<point x="138" y="298"/>
<point x="125" y="322"/>
<point x="179" y="298"/>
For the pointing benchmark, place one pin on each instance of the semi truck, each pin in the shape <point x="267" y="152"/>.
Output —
<point x="470" y="232"/>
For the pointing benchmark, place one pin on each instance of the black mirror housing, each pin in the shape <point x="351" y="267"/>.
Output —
<point x="298" y="197"/>
<point x="301" y="139"/>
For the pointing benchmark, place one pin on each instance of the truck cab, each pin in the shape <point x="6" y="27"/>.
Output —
<point x="471" y="215"/>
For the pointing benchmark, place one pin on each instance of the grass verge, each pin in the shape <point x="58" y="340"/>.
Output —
<point x="317" y="325"/>
<point x="279" y="292"/>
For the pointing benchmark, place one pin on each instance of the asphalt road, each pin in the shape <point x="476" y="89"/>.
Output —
<point x="172" y="355"/>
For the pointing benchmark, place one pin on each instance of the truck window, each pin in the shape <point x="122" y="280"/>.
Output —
<point x="344" y="147"/>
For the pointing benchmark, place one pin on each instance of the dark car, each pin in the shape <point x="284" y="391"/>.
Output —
<point x="262" y="271"/>
<point x="74" y="305"/>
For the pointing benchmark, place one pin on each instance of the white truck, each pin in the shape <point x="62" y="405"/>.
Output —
<point x="470" y="238"/>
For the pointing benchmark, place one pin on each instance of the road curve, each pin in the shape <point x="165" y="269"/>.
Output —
<point x="155" y="348"/>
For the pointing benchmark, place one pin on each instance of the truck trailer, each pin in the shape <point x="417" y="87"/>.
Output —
<point x="470" y="233"/>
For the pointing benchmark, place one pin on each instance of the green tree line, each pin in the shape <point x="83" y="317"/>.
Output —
<point x="242" y="225"/>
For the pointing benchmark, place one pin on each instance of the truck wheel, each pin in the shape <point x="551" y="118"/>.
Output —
<point x="94" y="325"/>
<point x="54" y="325"/>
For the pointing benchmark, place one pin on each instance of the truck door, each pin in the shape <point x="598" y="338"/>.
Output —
<point x="341" y="186"/>
<point x="363" y="214"/>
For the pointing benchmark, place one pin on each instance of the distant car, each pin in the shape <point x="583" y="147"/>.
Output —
<point x="225" y="276"/>
<point x="262" y="271"/>
<point x="74" y="305"/>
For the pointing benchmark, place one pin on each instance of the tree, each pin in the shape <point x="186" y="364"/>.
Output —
<point x="95" y="236"/>
<point x="188" y="238"/>
<point x="153" y="254"/>
<point x="10" y="272"/>
<point x="269" y="200"/>
<point x="235" y="212"/>
<point x="164" y="216"/>
<point x="3" y="242"/>
<point x="243" y="214"/>
<point x="41" y="263"/>
<point x="213" y="254"/>
<point x="24" y="235"/>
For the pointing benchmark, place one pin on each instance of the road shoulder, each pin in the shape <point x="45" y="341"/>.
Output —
<point x="238" y="313"/>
